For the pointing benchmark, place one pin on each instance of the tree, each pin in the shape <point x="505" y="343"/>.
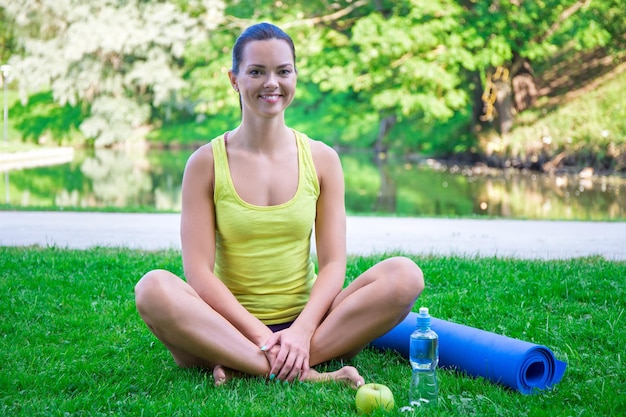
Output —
<point x="522" y="33"/>
<point x="122" y="61"/>
<point x="406" y="59"/>
<point x="427" y="61"/>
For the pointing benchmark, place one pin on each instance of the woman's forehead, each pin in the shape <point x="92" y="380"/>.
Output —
<point x="260" y="51"/>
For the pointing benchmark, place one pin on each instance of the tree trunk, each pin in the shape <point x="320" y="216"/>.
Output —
<point x="386" y="124"/>
<point x="387" y="195"/>
<point x="524" y="87"/>
<point x="478" y="105"/>
<point x="504" y="106"/>
<point x="503" y="96"/>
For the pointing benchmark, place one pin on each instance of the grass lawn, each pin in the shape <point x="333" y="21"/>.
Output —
<point x="72" y="344"/>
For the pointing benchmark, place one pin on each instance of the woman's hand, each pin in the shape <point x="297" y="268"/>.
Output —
<point x="288" y="354"/>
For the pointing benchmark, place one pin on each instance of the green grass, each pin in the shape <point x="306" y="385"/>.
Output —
<point x="72" y="344"/>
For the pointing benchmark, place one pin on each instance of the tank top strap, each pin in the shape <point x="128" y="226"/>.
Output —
<point x="220" y="166"/>
<point x="308" y="174"/>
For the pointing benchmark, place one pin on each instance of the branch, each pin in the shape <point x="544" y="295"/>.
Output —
<point x="244" y="23"/>
<point x="329" y="17"/>
<point x="567" y="13"/>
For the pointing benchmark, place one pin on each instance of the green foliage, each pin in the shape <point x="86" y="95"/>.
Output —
<point x="208" y="62"/>
<point x="8" y="43"/>
<point x="41" y="119"/>
<point x="194" y="133"/>
<point x="437" y="139"/>
<point x="134" y="65"/>
<point x="405" y="64"/>
<point x="325" y="118"/>
<point x="76" y="345"/>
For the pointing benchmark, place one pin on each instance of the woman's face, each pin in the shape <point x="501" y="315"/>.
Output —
<point x="267" y="77"/>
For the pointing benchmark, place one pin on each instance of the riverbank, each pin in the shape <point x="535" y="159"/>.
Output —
<point x="31" y="158"/>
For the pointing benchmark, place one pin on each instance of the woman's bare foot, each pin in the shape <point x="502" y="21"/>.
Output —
<point x="221" y="375"/>
<point x="348" y="375"/>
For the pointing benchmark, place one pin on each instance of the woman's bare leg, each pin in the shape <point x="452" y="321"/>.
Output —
<point x="197" y="336"/>
<point x="369" y="307"/>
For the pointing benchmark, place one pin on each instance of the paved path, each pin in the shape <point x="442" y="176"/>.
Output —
<point x="366" y="235"/>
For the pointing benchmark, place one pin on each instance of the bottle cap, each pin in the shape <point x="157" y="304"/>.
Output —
<point x="423" y="318"/>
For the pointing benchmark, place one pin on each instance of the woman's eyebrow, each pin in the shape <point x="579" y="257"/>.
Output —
<point x="264" y="66"/>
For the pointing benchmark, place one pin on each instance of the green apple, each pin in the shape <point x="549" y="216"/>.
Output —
<point x="372" y="396"/>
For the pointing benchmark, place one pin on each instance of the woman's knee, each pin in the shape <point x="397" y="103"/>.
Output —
<point x="152" y="288"/>
<point x="407" y="277"/>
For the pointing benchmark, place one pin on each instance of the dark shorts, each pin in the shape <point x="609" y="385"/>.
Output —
<point x="278" y="327"/>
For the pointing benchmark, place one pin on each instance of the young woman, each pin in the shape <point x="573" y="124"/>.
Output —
<point x="252" y="302"/>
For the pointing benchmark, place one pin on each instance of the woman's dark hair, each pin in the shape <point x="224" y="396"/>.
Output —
<point x="259" y="32"/>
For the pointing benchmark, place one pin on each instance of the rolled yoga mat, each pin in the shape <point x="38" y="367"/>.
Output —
<point x="522" y="366"/>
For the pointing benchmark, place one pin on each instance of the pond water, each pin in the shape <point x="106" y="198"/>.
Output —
<point x="150" y="180"/>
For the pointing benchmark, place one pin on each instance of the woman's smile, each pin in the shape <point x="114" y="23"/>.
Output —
<point x="271" y="98"/>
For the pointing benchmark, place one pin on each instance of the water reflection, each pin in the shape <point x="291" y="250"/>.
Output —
<point x="151" y="180"/>
<point x="117" y="180"/>
<point x="7" y="196"/>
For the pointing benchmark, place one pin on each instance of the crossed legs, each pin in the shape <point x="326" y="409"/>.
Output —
<point x="197" y="336"/>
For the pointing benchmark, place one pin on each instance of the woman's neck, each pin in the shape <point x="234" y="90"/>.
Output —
<point x="261" y="134"/>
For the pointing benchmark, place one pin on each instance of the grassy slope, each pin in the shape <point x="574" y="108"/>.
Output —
<point x="72" y="343"/>
<point x="588" y="123"/>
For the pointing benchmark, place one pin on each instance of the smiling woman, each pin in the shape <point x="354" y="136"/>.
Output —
<point x="268" y="69"/>
<point x="253" y="302"/>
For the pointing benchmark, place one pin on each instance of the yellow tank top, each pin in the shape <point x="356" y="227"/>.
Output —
<point x="263" y="253"/>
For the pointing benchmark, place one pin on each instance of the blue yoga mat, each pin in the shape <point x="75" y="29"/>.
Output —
<point x="522" y="366"/>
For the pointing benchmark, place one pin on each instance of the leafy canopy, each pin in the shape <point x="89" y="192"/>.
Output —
<point x="129" y="64"/>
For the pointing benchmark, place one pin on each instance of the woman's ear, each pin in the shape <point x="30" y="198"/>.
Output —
<point x="233" y="80"/>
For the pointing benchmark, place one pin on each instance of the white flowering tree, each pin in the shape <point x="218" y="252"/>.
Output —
<point x="121" y="61"/>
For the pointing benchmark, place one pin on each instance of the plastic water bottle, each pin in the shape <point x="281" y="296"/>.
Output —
<point x="424" y="356"/>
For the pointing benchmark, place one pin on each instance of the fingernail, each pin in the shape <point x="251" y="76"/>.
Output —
<point x="263" y="348"/>
<point x="272" y="376"/>
<point x="278" y="381"/>
<point x="286" y="382"/>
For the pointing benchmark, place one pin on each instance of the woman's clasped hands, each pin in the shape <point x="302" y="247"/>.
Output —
<point x="288" y="354"/>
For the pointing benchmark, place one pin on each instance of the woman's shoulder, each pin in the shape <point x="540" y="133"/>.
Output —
<point x="325" y="157"/>
<point x="319" y="149"/>
<point x="205" y="153"/>
<point x="201" y="161"/>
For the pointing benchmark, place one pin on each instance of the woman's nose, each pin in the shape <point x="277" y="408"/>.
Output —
<point x="270" y="81"/>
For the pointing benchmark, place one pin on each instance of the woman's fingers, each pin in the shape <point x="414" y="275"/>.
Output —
<point x="288" y="356"/>
<point x="271" y="342"/>
<point x="293" y="366"/>
<point x="288" y="366"/>
<point x="296" y="370"/>
<point x="279" y="362"/>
